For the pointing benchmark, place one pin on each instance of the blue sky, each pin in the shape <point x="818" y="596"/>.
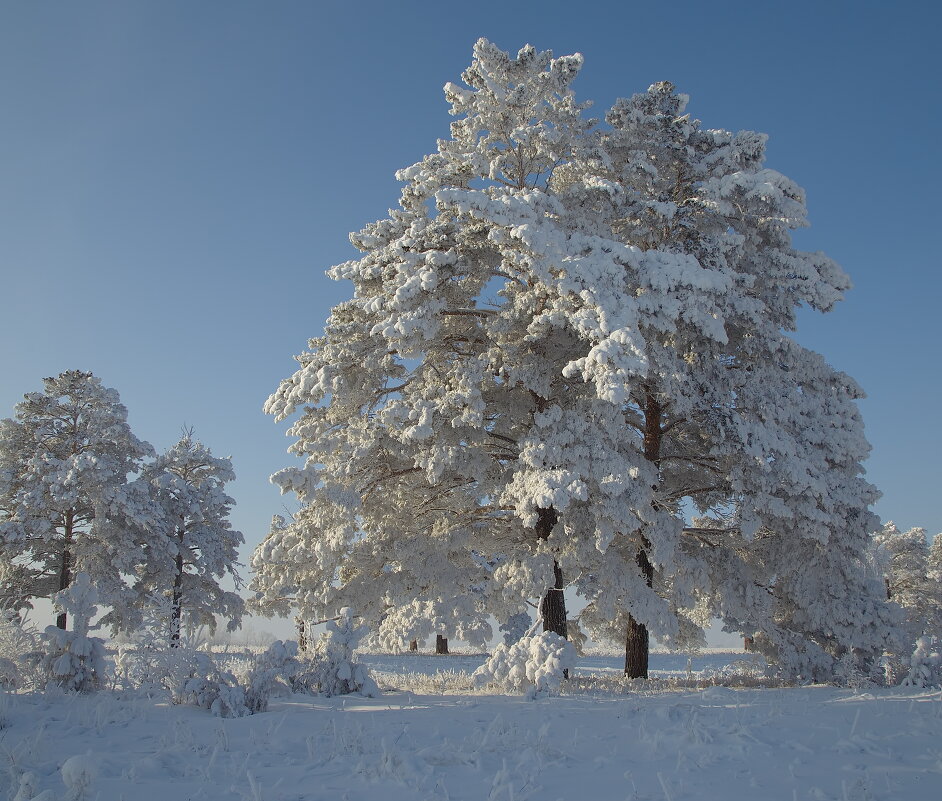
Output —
<point x="175" y="177"/>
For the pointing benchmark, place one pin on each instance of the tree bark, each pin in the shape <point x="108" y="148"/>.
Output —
<point x="414" y="645"/>
<point x="553" y="605"/>
<point x="441" y="644"/>
<point x="65" y="566"/>
<point x="637" y="640"/>
<point x="176" y="607"/>
<point x="302" y="633"/>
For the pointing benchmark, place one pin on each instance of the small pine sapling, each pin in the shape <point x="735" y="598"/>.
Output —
<point x="74" y="660"/>
<point x="336" y="671"/>
<point x="533" y="665"/>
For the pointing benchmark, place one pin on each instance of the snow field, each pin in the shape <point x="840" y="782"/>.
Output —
<point x="585" y="745"/>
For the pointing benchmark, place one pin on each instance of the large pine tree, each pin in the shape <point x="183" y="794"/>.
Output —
<point x="733" y="418"/>
<point x="563" y="341"/>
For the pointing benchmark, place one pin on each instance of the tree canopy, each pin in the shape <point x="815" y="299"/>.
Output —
<point x="567" y="340"/>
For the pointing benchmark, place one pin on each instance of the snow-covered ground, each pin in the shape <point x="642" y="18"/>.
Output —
<point x="599" y="740"/>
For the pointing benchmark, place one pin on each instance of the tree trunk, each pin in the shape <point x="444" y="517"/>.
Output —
<point x="176" y="608"/>
<point x="414" y="645"/>
<point x="302" y="633"/>
<point x="65" y="566"/>
<point x="553" y="605"/>
<point x="636" y="650"/>
<point x="441" y="644"/>
<point x="748" y="644"/>
<point x="637" y="640"/>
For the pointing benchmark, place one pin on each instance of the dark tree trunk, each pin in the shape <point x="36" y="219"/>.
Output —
<point x="637" y="640"/>
<point x="748" y="644"/>
<point x="441" y="644"/>
<point x="302" y="633"/>
<point x="636" y="650"/>
<point x="414" y="645"/>
<point x="65" y="566"/>
<point x="553" y="605"/>
<point x="176" y="608"/>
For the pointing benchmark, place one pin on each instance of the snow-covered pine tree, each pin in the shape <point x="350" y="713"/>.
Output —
<point x="732" y="417"/>
<point x="277" y="566"/>
<point x="428" y="401"/>
<point x="559" y="343"/>
<point x="934" y="576"/>
<point x="909" y="568"/>
<point x="73" y="660"/>
<point x="199" y="545"/>
<point x="66" y="504"/>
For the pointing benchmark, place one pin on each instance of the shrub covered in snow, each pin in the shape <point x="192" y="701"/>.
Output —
<point x="925" y="665"/>
<point x="272" y="670"/>
<point x="78" y="774"/>
<point x="73" y="660"/>
<point x="20" y="653"/>
<point x="533" y="665"/>
<point x="332" y="669"/>
<point x="220" y="693"/>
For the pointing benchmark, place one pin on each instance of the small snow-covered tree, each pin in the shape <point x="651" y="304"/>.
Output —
<point x="199" y="545"/>
<point x="532" y="665"/>
<point x="66" y="504"/>
<point x="74" y="660"/>
<point x="909" y="570"/>
<point x="335" y="670"/>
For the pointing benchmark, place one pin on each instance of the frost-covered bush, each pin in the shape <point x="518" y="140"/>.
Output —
<point x="20" y="654"/>
<point x="201" y="683"/>
<point x="273" y="670"/>
<point x="925" y="665"/>
<point x="221" y="694"/>
<point x="27" y="789"/>
<point x="73" y="660"/>
<point x="850" y="671"/>
<point x="332" y="669"/>
<point x="145" y="661"/>
<point x="532" y="665"/>
<point x="78" y="774"/>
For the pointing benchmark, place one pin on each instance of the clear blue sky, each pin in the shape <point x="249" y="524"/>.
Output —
<point x="175" y="177"/>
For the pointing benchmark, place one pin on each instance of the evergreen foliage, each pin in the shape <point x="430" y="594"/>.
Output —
<point x="73" y="660"/>
<point x="566" y="337"/>
<point x="198" y="546"/>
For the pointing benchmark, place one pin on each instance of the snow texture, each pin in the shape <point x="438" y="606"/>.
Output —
<point x="625" y="741"/>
